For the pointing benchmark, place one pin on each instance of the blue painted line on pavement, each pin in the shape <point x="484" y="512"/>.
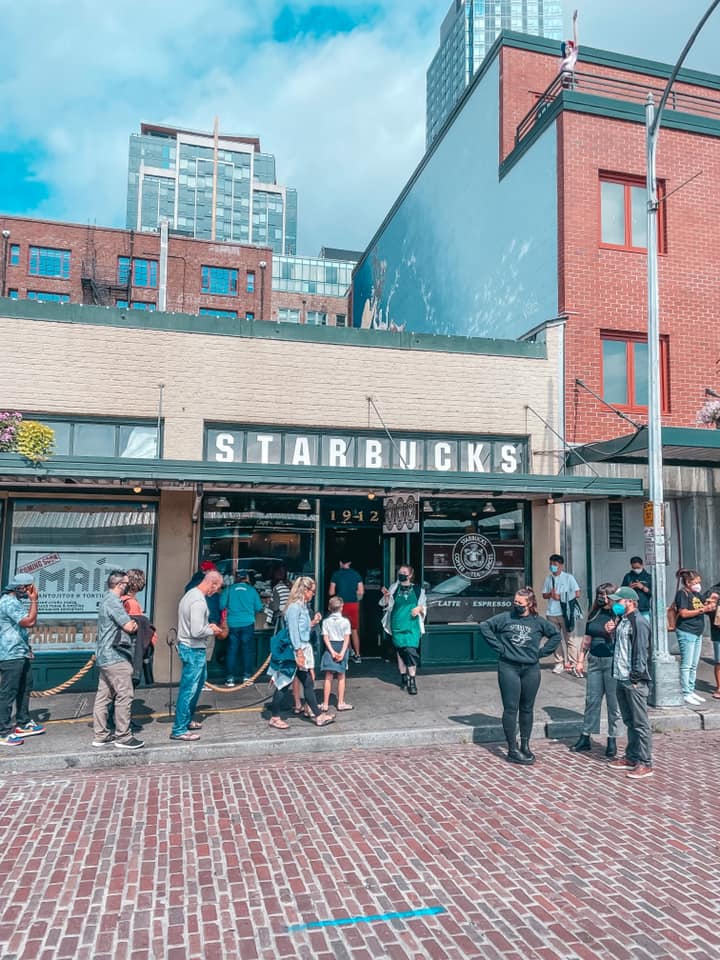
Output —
<point x="370" y="918"/>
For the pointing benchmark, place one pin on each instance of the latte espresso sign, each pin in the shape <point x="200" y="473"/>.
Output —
<point x="365" y="451"/>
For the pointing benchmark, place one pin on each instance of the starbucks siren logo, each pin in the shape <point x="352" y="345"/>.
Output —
<point x="473" y="556"/>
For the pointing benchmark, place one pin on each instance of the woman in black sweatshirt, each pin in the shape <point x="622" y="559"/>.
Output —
<point x="520" y="638"/>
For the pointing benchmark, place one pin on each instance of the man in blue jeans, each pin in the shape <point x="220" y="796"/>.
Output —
<point x="194" y="631"/>
<point x="242" y="602"/>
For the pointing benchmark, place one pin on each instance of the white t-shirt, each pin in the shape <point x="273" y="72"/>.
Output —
<point x="336" y="627"/>
<point x="566" y="585"/>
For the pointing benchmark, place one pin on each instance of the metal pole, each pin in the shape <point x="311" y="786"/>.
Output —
<point x="666" y="679"/>
<point x="665" y="690"/>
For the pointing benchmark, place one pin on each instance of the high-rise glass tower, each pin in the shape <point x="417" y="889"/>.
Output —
<point x="468" y="31"/>
<point x="174" y="174"/>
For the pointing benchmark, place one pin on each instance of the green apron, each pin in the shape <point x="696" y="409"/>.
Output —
<point x="405" y="627"/>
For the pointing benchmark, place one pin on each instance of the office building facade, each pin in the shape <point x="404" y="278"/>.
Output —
<point x="468" y="31"/>
<point x="210" y="187"/>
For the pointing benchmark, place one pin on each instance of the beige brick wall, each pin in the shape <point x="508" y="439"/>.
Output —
<point x="96" y="370"/>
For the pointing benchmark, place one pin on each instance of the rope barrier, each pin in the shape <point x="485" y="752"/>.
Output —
<point x="246" y="683"/>
<point x="68" y="683"/>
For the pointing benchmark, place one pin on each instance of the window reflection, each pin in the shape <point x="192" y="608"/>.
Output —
<point x="473" y="558"/>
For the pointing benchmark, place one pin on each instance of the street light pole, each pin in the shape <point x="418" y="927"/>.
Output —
<point x="6" y="241"/>
<point x="666" y="686"/>
<point x="263" y="266"/>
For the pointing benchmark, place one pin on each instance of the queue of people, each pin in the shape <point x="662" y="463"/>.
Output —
<point x="613" y="654"/>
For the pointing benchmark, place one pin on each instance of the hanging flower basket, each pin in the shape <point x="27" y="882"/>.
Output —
<point x="709" y="414"/>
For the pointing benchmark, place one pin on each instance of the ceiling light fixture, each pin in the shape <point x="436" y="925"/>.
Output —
<point x="304" y="504"/>
<point x="488" y="508"/>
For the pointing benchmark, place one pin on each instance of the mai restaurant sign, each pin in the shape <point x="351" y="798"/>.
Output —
<point x="365" y="451"/>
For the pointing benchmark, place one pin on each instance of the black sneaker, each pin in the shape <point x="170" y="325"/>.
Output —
<point x="132" y="744"/>
<point x="103" y="741"/>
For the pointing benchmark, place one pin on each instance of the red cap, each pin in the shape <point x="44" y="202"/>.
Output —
<point x="207" y="565"/>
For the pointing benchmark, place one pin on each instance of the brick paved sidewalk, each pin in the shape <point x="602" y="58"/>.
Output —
<point x="561" y="860"/>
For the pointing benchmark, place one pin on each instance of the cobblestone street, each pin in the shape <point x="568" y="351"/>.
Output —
<point x="227" y="859"/>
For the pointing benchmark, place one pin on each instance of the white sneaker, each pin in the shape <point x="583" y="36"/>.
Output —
<point x="559" y="668"/>
<point x="691" y="699"/>
<point x="698" y="698"/>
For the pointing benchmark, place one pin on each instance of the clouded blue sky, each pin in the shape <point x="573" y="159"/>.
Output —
<point x="335" y="90"/>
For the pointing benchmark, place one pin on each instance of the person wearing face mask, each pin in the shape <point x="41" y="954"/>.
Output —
<point x="691" y="610"/>
<point x="18" y="611"/>
<point x="520" y="638"/>
<point x="597" y="649"/>
<point x="641" y="582"/>
<point x="560" y="590"/>
<point x="631" y="670"/>
<point x="405" y="607"/>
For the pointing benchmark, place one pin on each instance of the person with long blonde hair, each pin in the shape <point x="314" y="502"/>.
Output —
<point x="299" y="624"/>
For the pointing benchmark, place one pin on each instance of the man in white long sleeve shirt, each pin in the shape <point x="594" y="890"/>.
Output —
<point x="194" y="631"/>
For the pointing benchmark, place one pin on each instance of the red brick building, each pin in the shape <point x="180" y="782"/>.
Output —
<point x="602" y="262"/>
<point x="69" y="263"/>
<point x="530" y="206"/>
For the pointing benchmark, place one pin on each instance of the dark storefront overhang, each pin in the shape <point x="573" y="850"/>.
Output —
<point x="74" y="473"/>
<point x="681" y="446"/>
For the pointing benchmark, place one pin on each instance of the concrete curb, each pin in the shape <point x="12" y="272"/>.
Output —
<point x="266" y="744"/>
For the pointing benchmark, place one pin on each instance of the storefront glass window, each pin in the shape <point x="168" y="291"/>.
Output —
<point x="474" y="558"/>
<point x="71" y="548"/>
<point x="266" y="535"/>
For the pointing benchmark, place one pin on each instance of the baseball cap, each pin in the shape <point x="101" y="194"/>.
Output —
<point x="20" y="580"/>
<point x="242" y="573"/>
<point x="207" y="565"/>
<point x="624" y="593"/>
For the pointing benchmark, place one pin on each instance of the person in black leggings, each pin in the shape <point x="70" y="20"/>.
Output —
<point x="520" y="639"/>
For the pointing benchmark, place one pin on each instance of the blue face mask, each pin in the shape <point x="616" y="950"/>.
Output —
<point x="618" y="609"/>
<point x="553" y="568"/>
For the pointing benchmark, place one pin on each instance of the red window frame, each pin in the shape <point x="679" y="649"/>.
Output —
<point x="627" y="181"/>
<point x="628" y="339"/>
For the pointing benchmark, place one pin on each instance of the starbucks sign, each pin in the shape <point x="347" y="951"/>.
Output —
<point x="473" y="556"/>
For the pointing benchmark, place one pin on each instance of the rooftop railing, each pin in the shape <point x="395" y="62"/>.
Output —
<point x="615" y="89"/>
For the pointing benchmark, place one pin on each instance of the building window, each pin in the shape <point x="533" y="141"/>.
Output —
<point x="14" y="254"/>
<point x="106" y="438"/>
<point x="220" y="281"/>
<point x="623" y="213"/>
<point x="13" y="294"/>
<point x="288" y="315"/>
<point x="616" y="526"/>
<point x="72" y="546"/>
<point x="215" y="312"/>
<point x="249" y="315"/>
<point x="250" y="284"/>
<point x="43" y="297"/>
<point x="340" y="320"/>
<point x="143" y="305"/>
<point x="145" y="272"/>
<point x="625" y="371"/>
<point x="122" y="304"/>
<point x="48" y="262"/>
<point x="317" y="317"/>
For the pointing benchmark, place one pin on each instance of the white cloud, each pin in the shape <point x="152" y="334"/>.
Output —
<point x="343" y="115"/>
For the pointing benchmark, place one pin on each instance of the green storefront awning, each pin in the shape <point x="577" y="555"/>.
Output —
<point x="112" y="473"/>
<point x="681" y="446"/>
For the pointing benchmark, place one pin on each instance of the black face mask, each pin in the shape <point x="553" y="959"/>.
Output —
<point x="403" y="577"/>
<point x="601" y="599"/>
<point x="519" y="610"/>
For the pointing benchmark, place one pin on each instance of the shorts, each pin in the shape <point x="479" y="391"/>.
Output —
<point x="716" y="651"/>
<point x="352" y="612"/>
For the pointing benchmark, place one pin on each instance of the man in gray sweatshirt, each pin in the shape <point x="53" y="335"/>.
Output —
<point x="194" y="631"/>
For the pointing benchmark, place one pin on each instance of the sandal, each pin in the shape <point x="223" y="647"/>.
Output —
<point x="716" y="696"/>
<point x="194" y="725"/>
<point x="185" y="736"/>
<point x="278" y="724"/>
<point x="324" y="719"/>
<point x="345" y="706"/>
<point x="297" y="710"/>
<point x="307" y="712"/>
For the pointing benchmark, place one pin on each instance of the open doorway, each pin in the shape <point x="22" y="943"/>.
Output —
<point x="362" y="546"/>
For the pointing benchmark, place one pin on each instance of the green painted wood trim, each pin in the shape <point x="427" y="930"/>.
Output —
<point x="607" y="58"/>
<point x="625" y="110"/>
<point x="266" y="330"/>
<point x="149" y="472"/>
